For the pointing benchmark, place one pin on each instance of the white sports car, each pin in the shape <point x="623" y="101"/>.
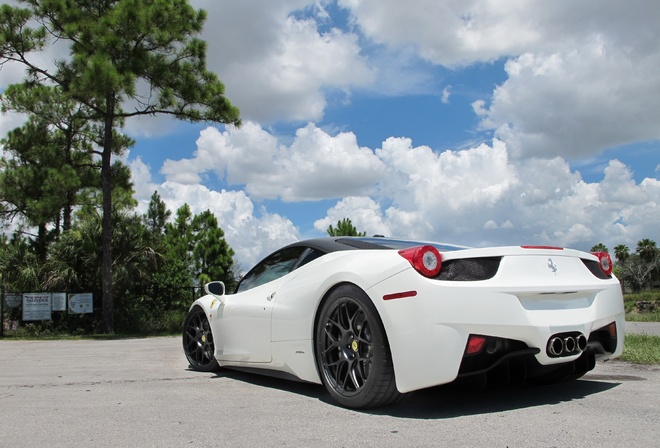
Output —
<point x="374" y="318"/>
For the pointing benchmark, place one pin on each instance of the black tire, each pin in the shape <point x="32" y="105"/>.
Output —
<point x="198" y="341"/>
<point x="352" y="352"/>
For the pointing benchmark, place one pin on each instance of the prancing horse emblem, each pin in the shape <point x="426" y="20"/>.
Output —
<point x="552" y="266"/>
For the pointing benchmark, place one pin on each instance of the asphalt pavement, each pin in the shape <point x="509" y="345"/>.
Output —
<point x="652" y="328"/>
<point x="141" y="393"/>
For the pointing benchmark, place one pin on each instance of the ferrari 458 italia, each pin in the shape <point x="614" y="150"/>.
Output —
<point x="373" y="318"/>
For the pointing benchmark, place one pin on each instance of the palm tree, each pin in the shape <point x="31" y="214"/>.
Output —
<point x="621" y="252"/>
<point x="647" y="249"/>
<point x="76" y="259"/>
<point x="600" y="247"/>
<point x="19" y="264"/>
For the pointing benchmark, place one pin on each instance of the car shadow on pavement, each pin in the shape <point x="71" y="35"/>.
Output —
<point x="448" y="401"/>
<point x="276" y="381"/>
<point x="452" y="401"/>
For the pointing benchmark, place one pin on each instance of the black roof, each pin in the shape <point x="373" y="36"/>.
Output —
<point x="337" y="243"/>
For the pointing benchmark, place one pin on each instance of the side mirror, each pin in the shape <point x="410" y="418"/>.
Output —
<point x="215" y="288"/>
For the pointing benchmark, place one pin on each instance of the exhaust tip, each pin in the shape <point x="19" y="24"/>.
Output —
<point x="569" y="344"/>
<point x="555" y="346"/>
<point x="566" y="344"/>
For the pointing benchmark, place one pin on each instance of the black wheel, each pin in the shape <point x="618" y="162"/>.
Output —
<point x="198" y="341"/>
<point x="352" y="352"/>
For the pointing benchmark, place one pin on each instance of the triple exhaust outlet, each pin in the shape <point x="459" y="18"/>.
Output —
<point x="566" y="344"/>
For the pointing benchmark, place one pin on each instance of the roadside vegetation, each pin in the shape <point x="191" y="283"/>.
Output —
<point x="643" y="306"/>
<point x="641" y="349"/>
<point x="160" y="265"/>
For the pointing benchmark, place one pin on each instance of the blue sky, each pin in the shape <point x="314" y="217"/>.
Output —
<point x="477" y="123"/>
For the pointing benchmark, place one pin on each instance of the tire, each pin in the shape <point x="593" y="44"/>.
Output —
<point x="198" y="341"/>
<point x="352" y="352"/>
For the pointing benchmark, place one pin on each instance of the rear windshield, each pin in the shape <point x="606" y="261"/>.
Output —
<point x="389" y="243"/>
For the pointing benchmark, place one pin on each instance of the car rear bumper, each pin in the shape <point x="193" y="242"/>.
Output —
<point x="428" y="331"/>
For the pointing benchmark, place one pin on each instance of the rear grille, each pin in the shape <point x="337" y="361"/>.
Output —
<point x="469" y="269"/>
<point x="595" y="269"/>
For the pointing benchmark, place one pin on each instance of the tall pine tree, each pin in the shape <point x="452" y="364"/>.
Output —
<point x="113" y="46"/>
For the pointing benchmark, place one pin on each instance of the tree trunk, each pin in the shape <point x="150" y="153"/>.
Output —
<point x="106" y="222"/>
<point x="623" y="277"/>
<point x="67" y="210"/>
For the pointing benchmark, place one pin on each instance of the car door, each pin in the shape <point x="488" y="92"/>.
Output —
<point x="242" y="333"/>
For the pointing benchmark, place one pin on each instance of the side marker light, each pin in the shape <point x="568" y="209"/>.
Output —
<point x="400" y="295"/>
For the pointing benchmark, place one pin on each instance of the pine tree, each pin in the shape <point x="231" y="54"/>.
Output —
<point x="344" y="228"/>
<point x="212" y="256"/>
<point x="114" y="45"/>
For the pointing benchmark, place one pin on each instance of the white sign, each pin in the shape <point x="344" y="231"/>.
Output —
<point x="59" y="301"/>
<point x="36" y="306"/>
<point x="13" y="300"/>
<point x="81" y="303"/>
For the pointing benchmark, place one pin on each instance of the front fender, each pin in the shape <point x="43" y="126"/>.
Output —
<point x="209" y="304"/>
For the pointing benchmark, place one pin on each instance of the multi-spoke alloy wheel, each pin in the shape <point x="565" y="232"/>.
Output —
<point x="352" y="351"/>
<point x="347" y="347"/>
<point x="198" y="341"/>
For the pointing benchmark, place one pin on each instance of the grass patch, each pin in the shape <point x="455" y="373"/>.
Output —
<point x="634" y="315"/>
<point x="641" y="349"/>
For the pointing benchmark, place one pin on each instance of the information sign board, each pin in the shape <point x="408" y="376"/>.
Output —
<point x="81" y="303"/>
<point x="13" y="300"/>
<point x="59" y="301"/>
<point x="36" y="306"/>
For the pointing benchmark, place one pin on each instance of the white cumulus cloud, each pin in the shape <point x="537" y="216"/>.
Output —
<point x="276" y="66"/>
<point x="477" y="196"/>
<point x="251" y="234"/>
<point x="315" y="166"/>
<point x="582" y="76"/>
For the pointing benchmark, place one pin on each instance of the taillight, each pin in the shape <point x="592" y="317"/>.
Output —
<point x="425" y="259"/>
<point x="605" y="262"/>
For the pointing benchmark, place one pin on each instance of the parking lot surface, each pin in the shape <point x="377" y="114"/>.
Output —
<point x="140" y="393"/>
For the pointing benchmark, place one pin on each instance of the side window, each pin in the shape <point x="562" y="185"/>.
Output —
<point x="309" y="255"/>
<point x="275" y="266"/>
